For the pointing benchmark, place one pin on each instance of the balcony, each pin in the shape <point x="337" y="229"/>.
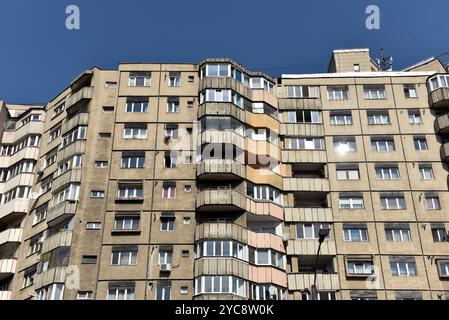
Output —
<point x="81" y="119"/>
<point x="76" y="147"/>
<point x="300" y="103"/>
<point x="8" y="266"/>
<point x="439" y="98"/>
<point x="61" y="212"/>
<point x="306" y="184"/>
<point x="11" y="236"/>
<point x="225" y="83"/>
<point x="308" y="214"/>
<point x="264" y="176"/>
<point x="216" y="169"/>
<point x="310" y="247"/>
<point x="221" y="266"/>
<point x="25" y="153"/>
<point x="46" y="278"/>
<point x="5" y="295"/>
<point x="16" y="206"/>
<point x="260" y="150"/>
<point x="262" y="120"/>
<point x="302" y="129"/>
<point x="79" y="98"/>
<point x="304" y="156"/>
<point x="302" y="281"/>
<point x="221" y="109"/>
<point x="221" y="137"/>
<point x="60" y="239"/>
<point x="216" y="296"/>
<point x="444" y="152"/>
<point x="267" y="274"/>
<point x="71" y="176"/>
<point x="82" y="80"/>
<point x="219" y="200"/>
<point x="32" y="127"/>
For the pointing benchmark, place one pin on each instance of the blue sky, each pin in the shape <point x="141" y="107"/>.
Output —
<point x="39" y="56"/>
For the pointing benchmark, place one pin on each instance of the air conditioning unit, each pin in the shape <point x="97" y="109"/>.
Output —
<point x="285" y="236"/>
<point x="165" y="267"/>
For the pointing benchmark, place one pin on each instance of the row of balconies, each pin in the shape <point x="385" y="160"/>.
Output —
<point x="32" y="127"/>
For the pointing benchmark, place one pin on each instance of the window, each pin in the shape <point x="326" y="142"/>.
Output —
<point x="59" y="109"/>
<point x="221" y="95"/>
<point x="306" y="143"/>
<point x="50" y="158"/>
<point x="378" y="117"/>
<point x="135" y="131"/>
<point x="426" y="172"/>
<point x="89" y="260"/>
<point x="165" y="256"/>
<point x="130" y="192"/>
<point x="420" y="143"/>
<point x="443" y="267"/>
<point x="303" y="116"/>
<point x="439" y="233"/>
<point x="78" y="133"/>
<point x="392" y="201"/>
<point x="387" y="172"/>
<point x="84" y="295"/>
<point x="171" y="130"/>
<point x="414" y="116"/>
<point x="124" y="256"/>
<point x="185" y="253"/>
<point x="52" y="292"/>
<point x="310" y="231"/>
<point x="163" y="292"/>
<point x="36" y="244"/>
<point x="174" y="79"/>
<point x="348" y="172"/>
<point x="58" y="257"/>
<point x="356" y="67"/>
<point x="264" y="192"/>
<point x="403" y="268"/>
<point x="355" y="234"/>
<point x="439" y="81"/>
<point x="172" y="104"/>
<point x="93" y="226"/>
<point x="54" y="133"/>
<point x="220" y="284"/>
<point x="302" y="91"/>
<point x="46" y="184"/>
<point x="338" y="93"/>
<point x="139" y="79"/>
<point x="68" y="194"/>
<point x="28" y="276"/>
<point x="380" y="144"/>
<point x="133" y="160"/>
<point x="101" y="164"/>
<point x="218" y="70"/>
<point x="187" y="188"/>
<point x="127" y="221"/>
<point x="184" y="290"/>
<point x="170" y="159"/>
<point x="186" y="220"/>
<point x="121" y="291"/>
<point x="97" y="194"/>
<point x="395" y="234"/>
<point x="341" y="118"/>
<point x="40" y="214"/>
<point x="356" y="267"/>
<point x="73" y="162"/>
<point x="104" y="135"/>
<point x="344" y="144"/>
<point x="348" y="201"/>
<point x="374" y="92"/>
<point x="108" y="109"/>
<point x="137" y="105"/>
<point x="169" y="190"/>
<point x="410" y="91"/>
<point x="110" y="85"/>
<point x="321" y="295"/>
<point x="432" y="201"/>
<point x="168" y="221"/>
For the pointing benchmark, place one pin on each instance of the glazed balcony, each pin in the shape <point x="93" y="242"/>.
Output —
<point x="11" y="236"/>
<point x="216" y="169"/>
<point x="81" y="119"/>
<point x="444" y="152"/>
<point x="78" y="98"/>
<point x="439" y="98"/>
<point x="306" y="184"/>
<point x="77" y="147"/>
<point x="219" y="200"/>
<point x="32" y="127"/>
<point x="60" y="239"/>
<point x="8" y="266"/>
<point x="221" y="109"/>
<point x="25" y="153"/>
<point x="14" y="207"/>
<point x="302" y="281"/>
<point x="61" y="212"/>
<point x="71" y="176"/>
<point x="46" y="278"/>
<point x="221" y="266"/>
<point x="225" y="83"/>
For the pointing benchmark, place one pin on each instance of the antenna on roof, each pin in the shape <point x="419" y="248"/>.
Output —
<point x="384" y="63"/>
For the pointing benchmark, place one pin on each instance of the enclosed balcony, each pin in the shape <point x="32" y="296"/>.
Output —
<point x="79" y="98"/>
<point x="61" y="212"/>
<point x="71" y="176"/>
<point x="53" y="275"/>
<point x="59" y="239"/>
<point x="221" y="109"/>
<point x="81" y="119"/>
<point x="439" y="91"/>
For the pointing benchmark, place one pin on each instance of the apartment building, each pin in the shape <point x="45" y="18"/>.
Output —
<point x="210" y="181"/>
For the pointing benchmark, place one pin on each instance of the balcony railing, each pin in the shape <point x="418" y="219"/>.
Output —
<point x="11" y="235"/>
<point x="439" y="98"/>
<point x="306" y="184"/>
<point x="81" y="96"/>
<point x="61" y="211"/>
<point x="8" y="266"/>
<point x="60" y="239"/>
<point x="221" y="167"/>
<point x="302" y="281"/>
